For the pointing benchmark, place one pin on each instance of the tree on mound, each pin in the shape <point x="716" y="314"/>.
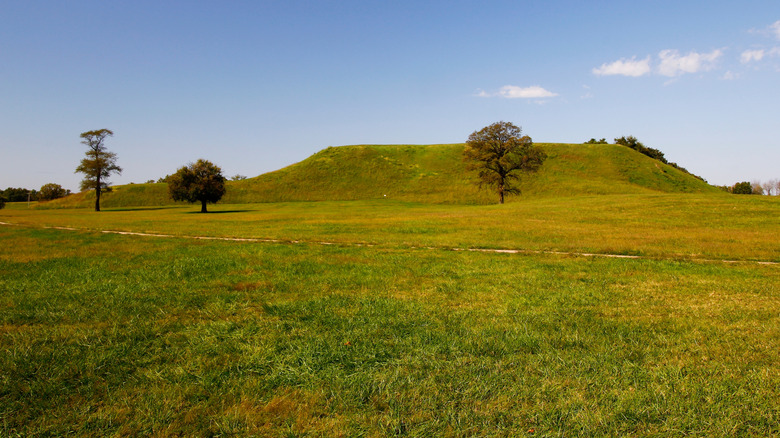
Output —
<point x="499" y="153"/>
<point x="201" y="181"/>
<point x="633" y="143"/>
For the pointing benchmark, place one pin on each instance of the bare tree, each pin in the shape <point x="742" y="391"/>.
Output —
<point x="758" y="188"/>
<point x="772" y="187"/>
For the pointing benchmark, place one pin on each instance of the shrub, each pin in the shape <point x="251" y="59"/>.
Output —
<point x="742" y="188"/>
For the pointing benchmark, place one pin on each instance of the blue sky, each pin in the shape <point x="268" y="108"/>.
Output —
<point x="258" y="85"/>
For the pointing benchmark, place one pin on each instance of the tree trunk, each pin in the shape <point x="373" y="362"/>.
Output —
<point x="501" y="195"/>
<point x="203" y="207"/>
<point x="97" y="193"/>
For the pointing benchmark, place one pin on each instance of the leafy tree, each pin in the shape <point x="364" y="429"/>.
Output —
<point x="51" y="191"/>
<point x="237" y="177"/>
<point x="742" y="188"/>
<point x="99" y="164"/>
<point x="2" y="202"/>
<point x="594" y="141"/>
<point x="14" y="194"/>
<point x="201" y="181"/>
<point x="636" y="145"/>
<point x="499" y="153"/>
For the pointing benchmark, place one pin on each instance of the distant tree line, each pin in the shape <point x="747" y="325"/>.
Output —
<point x="633" y="143"/>
<point x="18" y="194"/>
<point x="46" y="193"/>
<point x="769" y="188"/>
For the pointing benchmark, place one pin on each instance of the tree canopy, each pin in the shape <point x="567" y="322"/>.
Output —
<point x="51" y="191"/>
<point x="742" y="188"/>
<point x="636" y="145"/>
<point x="201" y="181"/>
<point x="18" y="194"/>
<point x="99" y="164"/>
<point x="500" y="153"/>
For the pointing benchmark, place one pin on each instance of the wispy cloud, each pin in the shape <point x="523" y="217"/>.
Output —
<point x="756" y="55"/>
<point x="672" y="64"/>
<point x="588" y="94"/>
<point x="752" y="55"/>
<point x="775" y="29"/>
<point x="515" y="92"/>
<point x="624" y="67"/>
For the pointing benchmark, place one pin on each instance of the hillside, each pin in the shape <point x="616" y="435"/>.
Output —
<point x="427" y="173"/>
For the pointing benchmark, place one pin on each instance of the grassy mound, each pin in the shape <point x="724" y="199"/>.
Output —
<point x="428" y="174"/>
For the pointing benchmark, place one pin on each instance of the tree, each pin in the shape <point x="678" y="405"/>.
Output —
<point x="51" y="191"/>
<point x="2" y="202"/>
<point x="13" y="194"/>
<point x="773" y="187"/>
<point x="99" y="164"/>
<point x="594" y="141"/>
<point x="201" y="181"/>
<point x="636" y="145"/>
<point x="499" y="153"/>
<point x="742" y="188"/>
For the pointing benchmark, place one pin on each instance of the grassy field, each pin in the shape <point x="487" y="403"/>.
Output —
<point x="121" y="335"/>
<point x="699" y="226"/>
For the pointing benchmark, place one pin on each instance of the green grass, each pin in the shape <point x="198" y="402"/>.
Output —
<point x="683" y="226"/>
<point x="426" y="174"/>
<point x="388" y="330"/>
<point x="110" y="335"/>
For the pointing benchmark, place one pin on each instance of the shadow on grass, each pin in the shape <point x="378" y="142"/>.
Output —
<point x="220" y="211"/>
<point x="109" y="210"/>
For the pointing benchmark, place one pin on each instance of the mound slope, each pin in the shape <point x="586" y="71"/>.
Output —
<point x="430" y="174"/>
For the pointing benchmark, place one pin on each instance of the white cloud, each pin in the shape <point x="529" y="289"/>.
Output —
<point x="775" y="29"/>
<point x="625" y="67"/>
<point x="535" y="92"/>
<point x="752" y="55"/>
<point x="515" y="92"/>
<point x="588" y="94"/>
<point x="672" y="64"/>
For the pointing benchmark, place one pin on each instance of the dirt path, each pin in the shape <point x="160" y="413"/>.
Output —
<point x="486" y="250"/>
